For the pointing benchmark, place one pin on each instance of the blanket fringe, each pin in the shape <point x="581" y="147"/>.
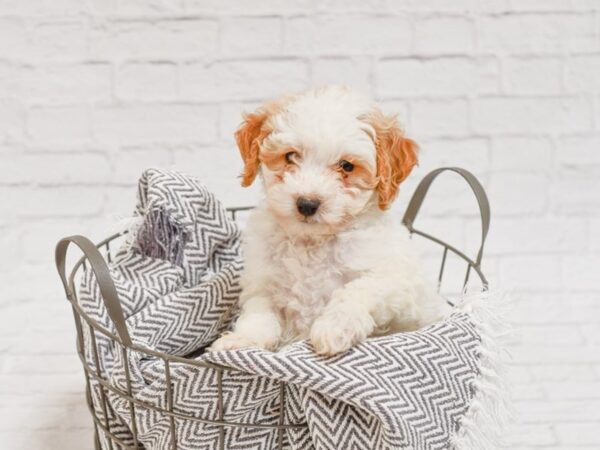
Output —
<point x="490" y="411"/>
<point x="159" y="236"/>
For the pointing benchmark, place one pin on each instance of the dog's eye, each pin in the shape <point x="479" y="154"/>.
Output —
<point x="290" y="157"/>
<point x="346" y="165"/>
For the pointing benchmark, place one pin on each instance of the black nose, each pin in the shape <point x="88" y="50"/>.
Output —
<point x="307" y="206"/>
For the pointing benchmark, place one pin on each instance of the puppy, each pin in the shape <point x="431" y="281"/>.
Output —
<point x="323" y="260"/>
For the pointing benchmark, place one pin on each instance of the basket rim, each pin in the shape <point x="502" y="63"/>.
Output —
<point x="72" y="299"/>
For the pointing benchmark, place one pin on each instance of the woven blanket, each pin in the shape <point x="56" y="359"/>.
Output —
<point x="436" y="388"/>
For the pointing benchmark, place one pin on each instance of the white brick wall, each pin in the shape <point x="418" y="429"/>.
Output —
<point x="93" y="91"/>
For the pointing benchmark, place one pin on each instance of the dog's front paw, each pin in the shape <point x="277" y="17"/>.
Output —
<point x="232" y="341"/>
<point x="337" y="331"/>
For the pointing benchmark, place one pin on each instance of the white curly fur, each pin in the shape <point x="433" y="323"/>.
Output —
<point x="345" y="273"/>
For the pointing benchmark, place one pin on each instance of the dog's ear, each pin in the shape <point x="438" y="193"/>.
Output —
<point x="248" y="138"/>
<point x="252" y="132"/>
<point x="396" y="156"/>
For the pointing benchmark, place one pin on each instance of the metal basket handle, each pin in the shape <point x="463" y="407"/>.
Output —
<point x="105" y="281"/>
<point x="484" y="206"/>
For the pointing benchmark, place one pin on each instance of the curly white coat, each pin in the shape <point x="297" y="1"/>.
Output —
<point x="347" y="272"/>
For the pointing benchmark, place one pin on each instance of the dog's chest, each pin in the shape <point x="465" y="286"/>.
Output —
<point x="305" y="277"/>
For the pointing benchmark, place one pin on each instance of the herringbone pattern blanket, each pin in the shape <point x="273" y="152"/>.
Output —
<point x="177" y="281"/>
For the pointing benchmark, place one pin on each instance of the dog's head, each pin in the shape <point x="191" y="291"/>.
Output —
<point x="325" y="156"/>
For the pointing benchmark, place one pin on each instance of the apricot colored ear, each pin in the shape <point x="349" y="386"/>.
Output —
<point x="248" y="138"/>
<point x="396" y="157"/>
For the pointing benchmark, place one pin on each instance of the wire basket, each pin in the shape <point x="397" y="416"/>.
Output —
<point x="98" y="256"/>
